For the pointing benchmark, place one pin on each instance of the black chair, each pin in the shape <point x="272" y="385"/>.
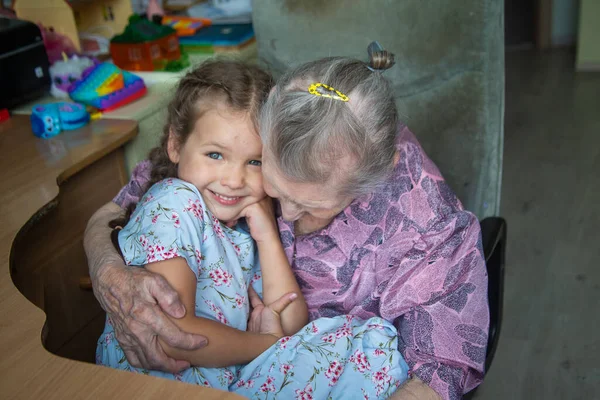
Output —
<point x="493" y="235"/>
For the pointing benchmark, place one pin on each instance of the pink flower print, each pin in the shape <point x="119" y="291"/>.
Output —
<point x="228" y="375"/>
<point x="283" y="342"/>
<point x="151" y="254"/>
<point x="360" y="359"/>
<point x="211" y="305"/>
<point x="378" y="352"/>
<point x="343" y="331"/>
<point x="217" y="311"/>
<point x="365" y="395"/>
<point x="205" y="383"/>
<point x="330" y="338"/>
<point x="382" y="376"/>
<point x="239" y="301"/>
<point x="250" y="383"/>
<point x="240" y="383"/>
<point x="154" y="219"/>
<point x="171" y="253"/>
<point x="195" y="207"/>
<point x="220" y="277"/>
<point x="334" y="372"/>
<point x="381" y="379"/>
<point x="285" y="368"/>
<point x="148" y="198"/>
<point x="143" y="241"/>
<point x="255" y="278"/>
<point x="217" y="227"/>
<point x="304" y="394"/>
<point x="198" y="257"/>
<point x="268" y="386"/>
<point x="237" y="249"/>
<point x="375" y="326"/>
<point x="108" y="338"/>
<point x="178" y="377"/>
<point x="137" y="219"/>
<point x="221" y="317"/>
<point x="314" y="328"/>
<point x="175" y="219"/>
<point x="169" y="181"/>
<point x="349" y="318"/>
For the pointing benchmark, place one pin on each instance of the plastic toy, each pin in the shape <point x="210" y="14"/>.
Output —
<point x="185" y="26"/>
<point x="65" y="73"/>
<point x="106" y="87"/>
<point x="56" y="44"/>
<point x="144" y="46"/>
<point x="48" y="120"/>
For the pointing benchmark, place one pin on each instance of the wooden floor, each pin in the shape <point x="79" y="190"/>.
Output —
<point x="550" y="342"/>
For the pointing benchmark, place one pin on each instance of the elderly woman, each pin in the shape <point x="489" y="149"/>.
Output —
<point x="368" y="224"/>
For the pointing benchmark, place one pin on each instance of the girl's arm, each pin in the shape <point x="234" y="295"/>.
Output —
<point x="278" y="278"/>
<point x="226" y="345"/>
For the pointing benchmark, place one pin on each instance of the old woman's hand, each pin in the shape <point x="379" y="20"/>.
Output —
<point x="138" y="302"/>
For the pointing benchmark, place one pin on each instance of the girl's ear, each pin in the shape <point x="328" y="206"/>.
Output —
<point x="173" y="147"/>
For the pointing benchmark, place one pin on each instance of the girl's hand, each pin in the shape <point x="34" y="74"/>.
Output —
<point x="260" y="217"/>
<point x="266" y="319"/>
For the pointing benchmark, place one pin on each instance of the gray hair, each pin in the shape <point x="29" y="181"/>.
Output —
<point x="310" y="137"/>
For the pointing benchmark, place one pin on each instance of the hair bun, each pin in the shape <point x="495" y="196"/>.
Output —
<point x="379" y="59"/>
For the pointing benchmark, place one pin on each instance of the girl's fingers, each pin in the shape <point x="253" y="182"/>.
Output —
<point x="255" y="300"/>
<point x="280" y="304"/>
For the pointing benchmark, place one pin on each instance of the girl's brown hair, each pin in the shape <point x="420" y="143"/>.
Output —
<point x="238" y="86"/>
<point x="241" y="87"/>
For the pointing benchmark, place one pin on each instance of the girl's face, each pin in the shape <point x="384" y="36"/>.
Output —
<point x="222" y="158"/>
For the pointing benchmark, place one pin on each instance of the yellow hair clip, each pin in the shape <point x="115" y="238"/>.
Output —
<point x="321" y="89"/>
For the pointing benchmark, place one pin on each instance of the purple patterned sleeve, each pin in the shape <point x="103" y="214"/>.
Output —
<point x="135" y="188"/>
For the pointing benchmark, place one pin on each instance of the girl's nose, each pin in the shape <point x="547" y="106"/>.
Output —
<point x="233" y="178"/>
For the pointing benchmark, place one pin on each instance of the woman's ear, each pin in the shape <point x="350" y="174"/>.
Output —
<point x="396" y="157"/>
<point x="173" y="147"/>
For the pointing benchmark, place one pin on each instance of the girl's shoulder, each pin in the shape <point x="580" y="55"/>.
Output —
<point x="173" y="191"/>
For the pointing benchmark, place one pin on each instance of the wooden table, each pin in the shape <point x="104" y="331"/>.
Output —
<point x="48" y="191"/>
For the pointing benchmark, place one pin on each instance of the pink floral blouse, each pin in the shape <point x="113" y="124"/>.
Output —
<point x="409" y="253"/>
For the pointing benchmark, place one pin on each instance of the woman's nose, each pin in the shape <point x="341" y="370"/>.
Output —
<point x="233" y="178"/>
<point x="290" y="212"/>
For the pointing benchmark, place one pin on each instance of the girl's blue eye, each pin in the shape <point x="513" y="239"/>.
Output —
<point x="215" y="156"/>
<point x="255" y="163"/>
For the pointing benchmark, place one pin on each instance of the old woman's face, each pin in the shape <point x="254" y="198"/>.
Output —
<point x="311" y="206"/>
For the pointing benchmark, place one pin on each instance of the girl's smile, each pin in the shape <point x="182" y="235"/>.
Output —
<point x="222" y="158"/>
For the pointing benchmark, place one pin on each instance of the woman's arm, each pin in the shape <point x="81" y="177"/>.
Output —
<point x="278" y="278"/>
<point x="101" y="253"/>
<point x="227" y="346"/>
<point x="136" y="300"/>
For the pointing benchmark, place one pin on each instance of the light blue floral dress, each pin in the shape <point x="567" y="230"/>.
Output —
<point x="341" y="357"/>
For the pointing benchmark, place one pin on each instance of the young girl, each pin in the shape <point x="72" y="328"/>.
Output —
<point x="206" y="225"/>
